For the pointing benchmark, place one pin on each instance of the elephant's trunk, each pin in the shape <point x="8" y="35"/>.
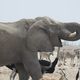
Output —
<point x="67" y="34"/>
<point x="72" y="27"/>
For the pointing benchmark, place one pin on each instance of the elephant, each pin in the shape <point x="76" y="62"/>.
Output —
<point x="21" y="40"/>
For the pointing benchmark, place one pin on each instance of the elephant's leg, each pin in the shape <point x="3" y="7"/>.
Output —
<point x="32" y="65"/>
<point x="23" y="75"/>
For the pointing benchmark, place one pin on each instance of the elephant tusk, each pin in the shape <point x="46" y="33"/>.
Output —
<point x="72" y="34"/>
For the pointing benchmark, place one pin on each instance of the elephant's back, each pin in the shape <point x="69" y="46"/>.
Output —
<point x="7" y="40"/>
<point x="13" y="29"/>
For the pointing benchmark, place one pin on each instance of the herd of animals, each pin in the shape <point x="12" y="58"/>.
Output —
<point x="21" y="41"/>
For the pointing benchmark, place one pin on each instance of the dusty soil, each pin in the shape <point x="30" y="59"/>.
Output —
<point x="69" y="71"/>
<point x="5" y="73"/>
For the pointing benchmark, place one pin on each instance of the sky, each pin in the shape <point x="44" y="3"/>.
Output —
<point x="60" y="10"/>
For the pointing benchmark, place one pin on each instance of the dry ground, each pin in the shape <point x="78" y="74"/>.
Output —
<point x="70" y="73"/>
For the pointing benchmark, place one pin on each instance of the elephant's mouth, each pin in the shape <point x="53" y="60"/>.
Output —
<point x="69" y="36"/>
<point x="72" y="35"/>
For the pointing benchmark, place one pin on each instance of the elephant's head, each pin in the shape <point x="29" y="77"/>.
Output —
<point x="44" y="35"/>
<point x="61" y="28"/>
<point x="39" y="37"/>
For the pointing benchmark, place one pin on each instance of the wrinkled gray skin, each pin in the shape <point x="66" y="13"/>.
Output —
<point x="73" y="26"/>
<point x="20" y="41"/>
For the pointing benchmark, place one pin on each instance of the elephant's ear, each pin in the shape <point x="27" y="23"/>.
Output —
<point x="52" y="34"/>
<point x="54" y="38"/>
<point x="38" y="39"/>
